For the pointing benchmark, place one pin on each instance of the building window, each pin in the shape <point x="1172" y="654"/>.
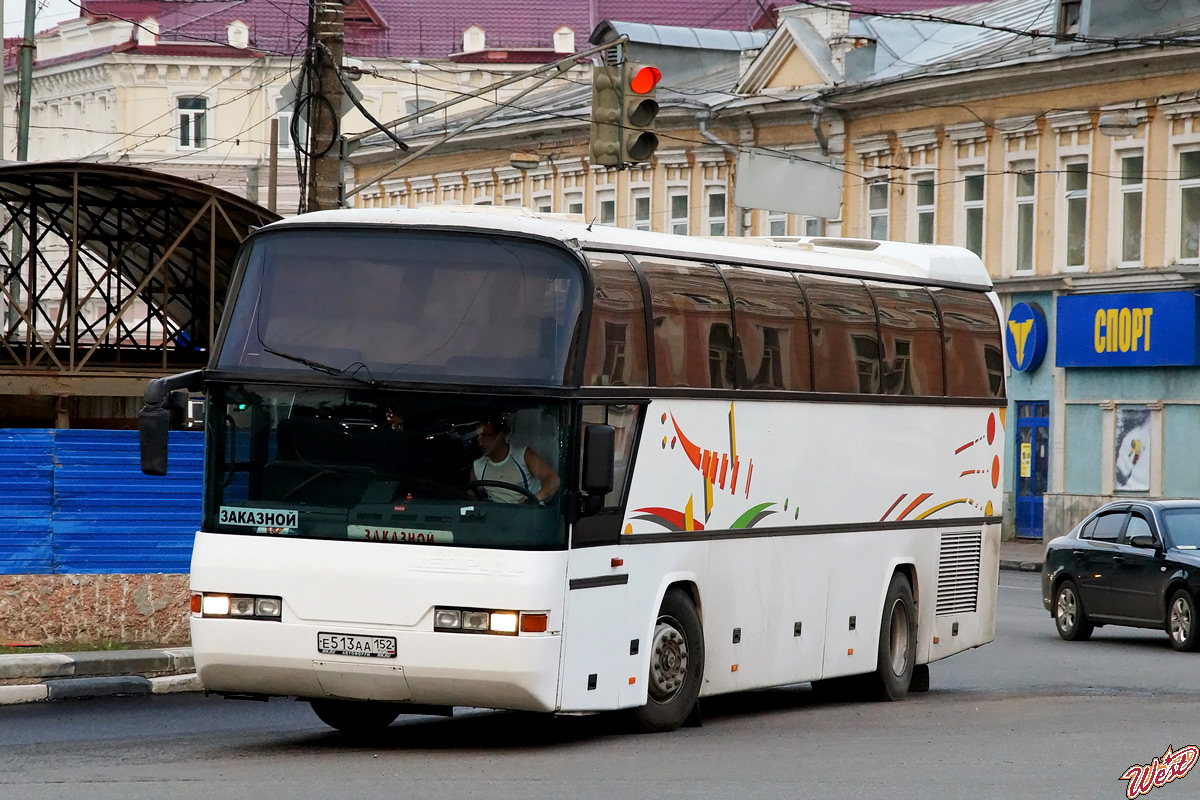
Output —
<point x="925" y="210"/>
<point x="641" y="209"/>
<point x="542" y="204"/>
<point x="973" y="213"/>
<point x="284" y="113"/>
<point x="606" y="207"/>
<point x="1132" y="189"/>
<point x="776" y="223"/>
<point x="1026" y="183"/>
<point x="679" y="214"/>
<point x="877" y="210"/>
<point x="193" y="125"/>
<point x="415" y="106"/>
<point x="1189" y="204"/>
<point x="1077" y="200"/>
<point x="814" y="226"/>
<point x="1069" y="12"/>
<point x="716" y="212"/>
<point x="574" y="203"/>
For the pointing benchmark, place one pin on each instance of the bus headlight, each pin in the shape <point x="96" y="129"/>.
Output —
<point x="240" y="606"/>
<point x="479" y="620"/>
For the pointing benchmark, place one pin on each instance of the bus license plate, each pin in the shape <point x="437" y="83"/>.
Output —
<point x="347" y="644"/>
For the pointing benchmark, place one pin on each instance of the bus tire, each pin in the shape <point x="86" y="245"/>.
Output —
<point x="676" y="666"/>
<point x="897" y="643"/>
<point x="353" y="717"/>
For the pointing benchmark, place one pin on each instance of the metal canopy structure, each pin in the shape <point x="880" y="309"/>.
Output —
<point x="110" y="275"/>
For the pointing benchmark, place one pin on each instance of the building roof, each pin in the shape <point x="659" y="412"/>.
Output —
<point x="418" y="28"/>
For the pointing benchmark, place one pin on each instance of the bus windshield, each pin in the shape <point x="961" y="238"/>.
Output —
<point x="405" y="304"/>
<point x="385" y="467"/>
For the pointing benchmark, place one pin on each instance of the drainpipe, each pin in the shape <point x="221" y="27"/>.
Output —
<point x="739" y="214"/>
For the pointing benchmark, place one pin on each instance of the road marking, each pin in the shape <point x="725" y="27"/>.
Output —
<point x="1023" y="588"/>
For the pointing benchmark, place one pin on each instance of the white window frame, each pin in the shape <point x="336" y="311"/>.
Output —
<point x="676" y="224"/>
<point x="777" y="219"/>
<point x="1124" y="190"/>
<point x="924" y="211"/>
<point x="716" y="224"/>
<point x="636" y="195"/>
<point x="1185" y="184"/>
<point x="191" y="116"/>
<point x="606" y="197"/>
<point x="1069" y="167"/>
<point x="969" y="205"/>
<point x="814" y="226"/>
<point x="1019" y="202"/>
<point x="543" y="204"/>
<point x="573" y="202"/>
<point x="878" y="214"/>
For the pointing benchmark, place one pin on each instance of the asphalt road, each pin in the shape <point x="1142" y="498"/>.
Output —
<point x="1026" y="716"/>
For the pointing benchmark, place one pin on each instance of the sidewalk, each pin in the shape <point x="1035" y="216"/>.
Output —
<point x="36" y="677"/>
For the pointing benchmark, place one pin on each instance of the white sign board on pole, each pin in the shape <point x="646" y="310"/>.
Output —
<point x="806" y="185"/>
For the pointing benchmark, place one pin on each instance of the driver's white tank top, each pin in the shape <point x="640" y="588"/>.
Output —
<point x="511" y="470"/>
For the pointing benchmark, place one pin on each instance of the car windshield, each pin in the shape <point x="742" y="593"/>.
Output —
<point x="385" y="467"/>
<point x="405" y="305"/>
<point x="1183" y="526"/>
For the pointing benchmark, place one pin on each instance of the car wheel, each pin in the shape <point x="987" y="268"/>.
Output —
<point x="1069" y="617"/>
<point x="1181" y="622"/>
<point x="355" y="718"/>
<point x="676" y="666"/>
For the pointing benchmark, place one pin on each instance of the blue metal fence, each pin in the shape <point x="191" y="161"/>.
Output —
<point x="76" y="502"/>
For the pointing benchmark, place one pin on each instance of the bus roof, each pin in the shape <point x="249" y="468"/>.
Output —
<point x="923" y="263"/>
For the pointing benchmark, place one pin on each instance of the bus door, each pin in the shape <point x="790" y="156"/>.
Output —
<point x="596" y="647"/>
<point x="1033" y="464"/>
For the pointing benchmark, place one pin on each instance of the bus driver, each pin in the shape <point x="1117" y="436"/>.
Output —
<point x="515" y="466"/>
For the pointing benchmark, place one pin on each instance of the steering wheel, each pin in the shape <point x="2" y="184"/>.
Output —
<point x="510" y="486"/>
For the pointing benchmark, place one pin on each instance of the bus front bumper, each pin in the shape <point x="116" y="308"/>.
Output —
<point x="430" y="668"/>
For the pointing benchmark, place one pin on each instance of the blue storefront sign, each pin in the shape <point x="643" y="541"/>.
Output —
<point x="1025" y="337"/>
<point x="1138" y="329"/>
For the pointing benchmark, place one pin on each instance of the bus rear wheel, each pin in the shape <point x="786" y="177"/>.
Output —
<point x="355" y="718"/>
<point x="897" y="643"/>
<point x="676" y="665"/>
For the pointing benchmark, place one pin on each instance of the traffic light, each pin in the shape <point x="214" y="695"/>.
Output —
<point x="623" y="114"/>
<point x="638" y="112"/>
<point x="606" y="116"/>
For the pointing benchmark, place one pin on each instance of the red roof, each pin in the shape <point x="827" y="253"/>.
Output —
<point x="405" y="29"/>
<point x="416" y="28"/>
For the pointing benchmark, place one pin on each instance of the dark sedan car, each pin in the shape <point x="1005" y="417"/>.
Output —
<point x="1133" y="563"/>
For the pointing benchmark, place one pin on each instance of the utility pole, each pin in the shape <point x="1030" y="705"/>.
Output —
<point x="27" y="48"/>
<point x="325" y="105"/>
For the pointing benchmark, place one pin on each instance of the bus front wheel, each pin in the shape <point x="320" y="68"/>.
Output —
<point x="355" y="717"/>
<point x="676" y="665"/>
<point x="897" y="642"/>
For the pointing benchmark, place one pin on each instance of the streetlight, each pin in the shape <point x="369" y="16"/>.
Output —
<point x="1117" y="124"/>
<point x="523" y="161"/>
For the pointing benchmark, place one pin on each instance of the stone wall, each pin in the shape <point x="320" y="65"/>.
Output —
<point x="151" y="610"/>
<point x="1062" y="512"/>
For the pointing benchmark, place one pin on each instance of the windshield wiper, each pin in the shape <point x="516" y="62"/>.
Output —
<point x="350" y="371"/>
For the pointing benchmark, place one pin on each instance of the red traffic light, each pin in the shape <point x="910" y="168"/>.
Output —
<point x="644" y="80"/>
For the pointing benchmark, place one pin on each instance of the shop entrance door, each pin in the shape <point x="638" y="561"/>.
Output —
<point x="1033" y="462"/>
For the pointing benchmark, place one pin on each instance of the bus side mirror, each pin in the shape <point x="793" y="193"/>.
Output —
<point x="162" y="406"/>
<point x="598" y="469"/>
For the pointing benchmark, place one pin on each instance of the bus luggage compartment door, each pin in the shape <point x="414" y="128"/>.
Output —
<point x="594" y="642"/>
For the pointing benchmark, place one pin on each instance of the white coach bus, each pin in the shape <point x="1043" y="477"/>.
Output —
<point x="490" y="459"/>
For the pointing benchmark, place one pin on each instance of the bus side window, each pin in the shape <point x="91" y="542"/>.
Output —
<point x="912" y="340"/>
<point x="971" y="332"/>
<point x="845" y="335"/>
<point x="616" y="345"/>
<point x="693" y="325"/>
<point x="772" y="330"/>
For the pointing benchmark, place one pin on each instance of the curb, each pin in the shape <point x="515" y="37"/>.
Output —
<point x="97" y="674"/>
<point x="1022" y="566"/>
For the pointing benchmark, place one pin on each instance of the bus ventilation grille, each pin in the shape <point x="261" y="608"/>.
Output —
<point x="958" y="573"/>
